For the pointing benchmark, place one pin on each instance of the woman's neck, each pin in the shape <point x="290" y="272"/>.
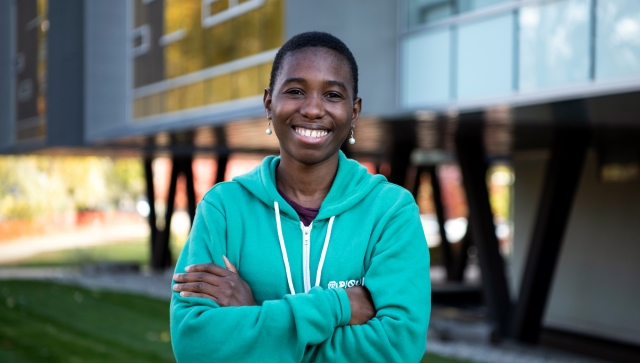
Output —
<point x="306" y="185"/>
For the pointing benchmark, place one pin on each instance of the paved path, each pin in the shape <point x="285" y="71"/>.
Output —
<point x="26" y="247"/>
<point x="506" y="352"/>
<point x="143" y="283"/>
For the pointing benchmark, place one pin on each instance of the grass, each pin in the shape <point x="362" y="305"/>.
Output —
<point x="49" y="322"/>
<point x="134" y="252"/>
<point x="432" y="358"/>
<point x="44" y="321"/>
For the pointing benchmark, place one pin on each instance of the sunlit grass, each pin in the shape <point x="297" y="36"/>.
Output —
<point x="134" y="252"/>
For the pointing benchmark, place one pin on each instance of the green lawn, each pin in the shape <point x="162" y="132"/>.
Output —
<point x="134" y="251"/>
<point x="43" y="321"/>
<point x="131" y="251"/>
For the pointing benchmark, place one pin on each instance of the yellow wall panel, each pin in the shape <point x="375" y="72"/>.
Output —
<point x="193" y="48"/>
<point x="194" y="95"/>
<point x="264" y="74"/>
<point x="138" y="108"/>
<point x="155" y="104"/>
<point x="221" y="88"/>
<point x="173" y="100"/>
<point x="245" y="83"/>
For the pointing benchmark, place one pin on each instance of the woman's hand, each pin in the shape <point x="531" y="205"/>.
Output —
<point x="362" y="309"/>
<point x="211" y="281"/>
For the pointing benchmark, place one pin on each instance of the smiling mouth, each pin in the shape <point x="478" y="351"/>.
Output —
<point x="315" y="134"/>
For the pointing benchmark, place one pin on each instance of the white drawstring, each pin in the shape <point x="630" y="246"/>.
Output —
<point x="324" y="251"/>
<point x="283" y="249"/>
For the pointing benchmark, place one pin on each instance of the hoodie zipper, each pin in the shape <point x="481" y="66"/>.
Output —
<point x="306" y="251"/>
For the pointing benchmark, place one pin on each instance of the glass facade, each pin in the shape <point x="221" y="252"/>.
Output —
<point x="485" y="58"/>
<point x="429" y="11"/>
<point x="427" y="68"/>
<point x="188" y="54"/>
<point x="31" y="29"/>
<point x="511" y="50"/>
<point x="554" y="44"/>
<point x="617" y="39"/>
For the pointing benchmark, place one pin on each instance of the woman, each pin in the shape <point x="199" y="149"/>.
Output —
<point x="324" y="262"/>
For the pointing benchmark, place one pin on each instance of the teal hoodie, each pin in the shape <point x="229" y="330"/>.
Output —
<point x="367" y="232"/>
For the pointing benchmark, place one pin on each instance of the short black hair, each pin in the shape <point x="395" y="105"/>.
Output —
<point x="310" y="40"/>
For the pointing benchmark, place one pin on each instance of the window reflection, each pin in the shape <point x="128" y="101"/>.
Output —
<point x="428" y="11"/>
<point x="618" y="39"/>
<point x="485" y="58"/>
<point x="426" y="68"/>
<point x="176" y="44"/>
<point x="554" y="44"/>
<point x="30" y="92"/>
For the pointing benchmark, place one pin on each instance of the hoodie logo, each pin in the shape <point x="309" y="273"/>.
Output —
<point x="345" y="284"/>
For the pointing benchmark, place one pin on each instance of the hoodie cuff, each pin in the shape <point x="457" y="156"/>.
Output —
<point x="345" y="306"/>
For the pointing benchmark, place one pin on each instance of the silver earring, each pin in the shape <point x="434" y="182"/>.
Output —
<point x="352" y="140"/>
<point x="269" y="127"/>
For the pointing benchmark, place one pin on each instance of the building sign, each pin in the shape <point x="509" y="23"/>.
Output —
<point x="190" y="55"/>
<point x="30" y="69"/>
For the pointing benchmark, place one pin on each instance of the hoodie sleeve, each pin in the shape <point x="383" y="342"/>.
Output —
<point x="398" y="279"/>
<point x="279" y="330"/>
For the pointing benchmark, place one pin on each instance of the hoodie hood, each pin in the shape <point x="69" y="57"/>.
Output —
<point x="351" y="184"/>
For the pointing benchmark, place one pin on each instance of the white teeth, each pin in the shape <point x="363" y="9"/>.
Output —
<point x="310" y="133"/>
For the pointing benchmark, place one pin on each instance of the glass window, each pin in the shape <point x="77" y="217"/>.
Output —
<point x="618" y="39"/>
<point x="428" y="11"/>
<point x="468" y="5"/>
<point x="426" y="68"/>
<point x="485" y="58"/>
<point x="554" y="44"/>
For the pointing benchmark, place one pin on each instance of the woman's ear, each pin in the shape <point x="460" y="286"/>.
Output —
<point x="266" y="101"/>
<point x="357" y="107"/>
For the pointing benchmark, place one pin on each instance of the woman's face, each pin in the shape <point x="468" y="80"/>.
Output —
<point x="312" y="105"/>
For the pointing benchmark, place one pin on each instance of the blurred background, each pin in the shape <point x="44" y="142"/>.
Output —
<point x="515" y="124"/>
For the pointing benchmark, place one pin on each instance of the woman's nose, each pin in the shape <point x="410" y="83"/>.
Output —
<point x="312" y="107"/>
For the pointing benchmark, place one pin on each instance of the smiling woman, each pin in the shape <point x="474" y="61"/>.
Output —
<point x="307" y="257"/>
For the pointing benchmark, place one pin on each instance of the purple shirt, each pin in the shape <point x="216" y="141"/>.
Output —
<point x="307" y="215"/>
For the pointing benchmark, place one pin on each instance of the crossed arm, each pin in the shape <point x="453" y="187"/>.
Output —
<point x="214" y="316"/>
<point x="227" y="288"/>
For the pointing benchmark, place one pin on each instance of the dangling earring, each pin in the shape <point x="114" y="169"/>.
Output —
<point x="269" y="127"/>
<point x="352" y="140"/>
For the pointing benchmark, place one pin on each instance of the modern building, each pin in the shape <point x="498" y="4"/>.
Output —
<point x="550" y="86"/>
